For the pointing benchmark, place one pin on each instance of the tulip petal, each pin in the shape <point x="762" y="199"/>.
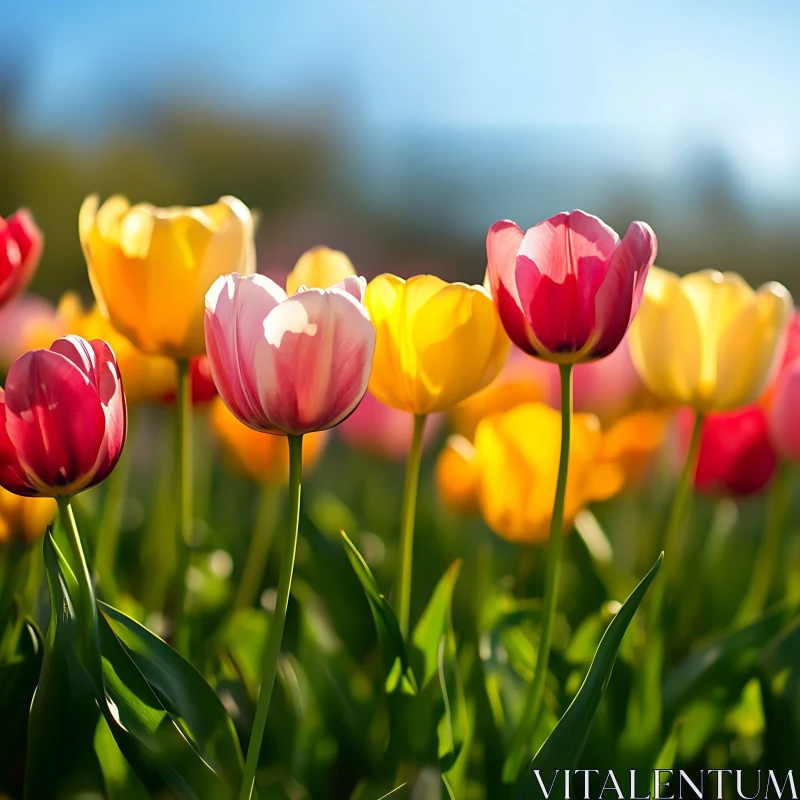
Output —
<point x="314" y="360"/>
<point x="54" y="418"/>
<point x="354" y="285"/>
<point x="561" y="265"/>
<point x="12" y="475"/>
<point x="502" y="246"/>
<point x="619" y="297"/>
<point x="784" y="422"/>
<point x="748" y="350"/>
<point x="665" y="339"/>
<point x="236" y="308"/>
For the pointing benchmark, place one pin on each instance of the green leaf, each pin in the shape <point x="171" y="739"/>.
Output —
<point x="184" y="693"/>
<point x="398" y="669"/>
<point x="61" y="759"/>
<point x="435" y="622"/>
<point x="18" y="679"/>
<point x="563" y="747"/>
<point x="153" y="742"/>
<point x="725" y="661"/>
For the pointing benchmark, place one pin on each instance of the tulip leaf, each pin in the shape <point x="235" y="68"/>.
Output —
<point x="64" y="714"/>
<point x="182" y="690"/>
<point x="399" y="674"/>
<point x="434" y="623"/>
<point x="563" y="747"/>
<point x="158" y="745"/>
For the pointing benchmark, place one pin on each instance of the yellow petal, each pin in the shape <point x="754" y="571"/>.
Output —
<point x="319" y="268"/>
<point x="749" y="349"/>
<point x="665" y="339"/>
<point x="458" y="476"/>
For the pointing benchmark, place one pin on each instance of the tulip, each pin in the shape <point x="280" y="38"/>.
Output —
<point x="383" y="431"/>
<point x="735" y="457"/>
<point x="438" y="343"/>
<point x="319" y="268"/>
<point x="62" y="419"/>
<point x="203" y="388"/>
<point x="457" y="476"/>
<point x="288" y="365"/>
<point x="291" y="365"/>
<point x="24" y="519"/>
<point x="568" y="288"/>
<point x="633" y="441"/>
<point x="151" y="267"/>
<point x="514" y="465"/>
<point x="21" y="245"/>
<point x="708" y="340"/>
<point x="262" y="457"/>
<point x="783" y="395"/>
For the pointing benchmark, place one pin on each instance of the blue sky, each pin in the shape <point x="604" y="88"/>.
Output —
<point x="659" y="73"/>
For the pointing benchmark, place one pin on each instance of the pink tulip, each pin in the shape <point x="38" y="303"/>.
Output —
<point x="20" y="249"/>
<point x="784" y="423"/>
<point x="62" y="419"/>
<point x="288" y="364"/>
<point x="568" y="288"/>
<point x="384" y="431"/>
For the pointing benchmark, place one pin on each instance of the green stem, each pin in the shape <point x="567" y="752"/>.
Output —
<point x="408" y="514"/>
<point x="534" y="699"/>
<point x="86" y="611"/>
<point x="273" y="648"/>
<point x="15" y="581"/>
<point x="767" y="558"/>
<point x="111" y="525"/>
<point x="183" y="442"/>
<point x="673" y="549"/>
<point x="258" y="552"/>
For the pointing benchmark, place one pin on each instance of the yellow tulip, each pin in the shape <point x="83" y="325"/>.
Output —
<point x="262" y="456"/>
<point x="319" y="268"/>
<point x="708" y="340"/>
<point x="24" y="519"/>
<point x="150" y="267"/>
<point x="437" y="344"/>
<point x="144" y="377"/>
<point x="633" y="441"/>
<point x="514" y="467"/>
<point x="457" y="475"/>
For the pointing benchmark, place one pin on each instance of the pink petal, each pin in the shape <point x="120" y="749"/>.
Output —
<point x="112" y="401"/>
<point x="561" y="265"/>
<point x="236" y="308"/>
<point x="354" y="285"/>
<point x="12" y="475"/>
<point x="314" y="361"/>
<point x="620" y="295"/>
<point x="502" y="245"/>
<point x="55" y="420"/>
<point x="784" y="421"/>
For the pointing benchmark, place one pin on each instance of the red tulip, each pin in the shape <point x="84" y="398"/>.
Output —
<point x="20" y="249"/>
<point x="736" y="456"/>
<point x="288" y="364"/>
<point x="568" y="288"/>
<point x="62" y="419"/>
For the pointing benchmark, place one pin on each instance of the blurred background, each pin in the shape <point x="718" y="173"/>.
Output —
<point x="399" y="131"/>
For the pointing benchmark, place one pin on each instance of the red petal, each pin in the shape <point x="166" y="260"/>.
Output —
<point x="12" y="476"/>
<point x="55" y="420"/>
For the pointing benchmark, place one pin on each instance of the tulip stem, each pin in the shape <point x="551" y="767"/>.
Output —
<point x="273" y="648"/>
<point x="673" y="547"/>
<point x="258" y="552"/>
<point x="408" y="514"/>
<point x="534" y="699"/>
<point x="183" y="442"/>
<point x="766" y="560"/>
<point x="89" y="646"/>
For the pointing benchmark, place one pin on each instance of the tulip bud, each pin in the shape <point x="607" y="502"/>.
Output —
<point x="288" y="365"/>
<point x="21" y="245"/>
<point x="319" y="268"/>
<point x="707" y="340"/>
<point x="438" y="343"/>
<point x="62" y="419"/>
<point x="568" y="288"/>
